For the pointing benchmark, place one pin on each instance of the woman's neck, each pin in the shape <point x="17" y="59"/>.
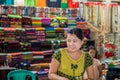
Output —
<point x="75" y="54"/>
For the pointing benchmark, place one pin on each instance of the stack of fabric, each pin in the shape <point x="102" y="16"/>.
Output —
<point x="45" y="22"/>
<point x="25" y="46"/>
<point x="63" y="22"/>
<point x="37" y="57"/>
<point x="63" y="43"/>
<point x="27" y="55"/>
<point x="35" y="45"/>
<point x="80" y="23"/>
<point x="46" y="45"/>
<point x="50" y="34"/>
<point x="16" y="59"/>
<point x="36" y="22"/>
<point x="71" y="23"/>
<point x="47" y="55"/>
<point x="26" y="22"/>
<point x="60" y="33"/>
<point x="9" y="34"/>
<point x="15" y="21"/>
<point x="1" y="46"/>
<point x="20" y="34"/>
<point x="40" y="34"/>
<point x="1" y="34"/>
<point x="3" y="59"/>
<point x="30" y="34"/>
<point x="4" y="21"/>
<point x="54" y="22"/>
<point x="13" y="46"/>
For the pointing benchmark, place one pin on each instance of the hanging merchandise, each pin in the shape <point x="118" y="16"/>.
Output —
<point x="64" y="3"/>
<point x="32" y="11"/>
<point x="5" y="10"/>
<point x="13" y="9"/>
<point x="9" y="2"/>
<point x="58" y="10"/>
<point x="64" y="12"/>
<point x="115" y="18"/>
<point x="40" y="3"/>
<point x="54" y="3"/>
<point x="1" y="9"/>
<point x="95" y="14"/>
<point x="119" y="19"/>
<point x="103" y="17"/>
<point x="52" y="12"/>
<point x="72" y="4"/>
<point x="39" y="12"/>
<point x="74" y="12"/>
<point x="19" y="2"/>
<point x="30" y="3"/>
<point x="109" y="18"/>
<point x="46" y="12"/>
<point x="2" y="2"/>
<point x="86" y="11"/>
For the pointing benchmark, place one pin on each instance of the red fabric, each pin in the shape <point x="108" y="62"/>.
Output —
<point x="72" y="4"/>
<point x="109" y="54"/>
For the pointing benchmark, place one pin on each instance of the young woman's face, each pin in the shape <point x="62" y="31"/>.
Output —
<point x="92" y="52"/>
<point x="73" y="42"/>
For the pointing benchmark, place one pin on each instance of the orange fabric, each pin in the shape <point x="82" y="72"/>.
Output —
<point x="40" y="3"/>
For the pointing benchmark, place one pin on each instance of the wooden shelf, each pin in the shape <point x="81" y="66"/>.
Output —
<point x="92" y="27"/>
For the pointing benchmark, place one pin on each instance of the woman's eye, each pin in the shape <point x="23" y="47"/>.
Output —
<point x="75" y="41"/>
<point x="68" y="40"/>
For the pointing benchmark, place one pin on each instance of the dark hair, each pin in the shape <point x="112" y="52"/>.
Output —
<point x="78" y="32"/>
<point x="92" y="47"/>
<point x="96" y="52"/>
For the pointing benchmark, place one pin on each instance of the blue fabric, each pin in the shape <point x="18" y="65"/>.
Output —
<point x="9" y="2"/>
<point x="54" y="3"/>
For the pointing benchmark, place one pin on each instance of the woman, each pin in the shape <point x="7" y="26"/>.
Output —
<point x="70" y="63"/>
<point x="96" y="64"/>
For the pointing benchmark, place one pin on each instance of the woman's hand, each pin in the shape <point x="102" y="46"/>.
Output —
<point x="63" y="78"/>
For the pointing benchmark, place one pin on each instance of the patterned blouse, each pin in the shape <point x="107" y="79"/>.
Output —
<point x="69" y="68"/>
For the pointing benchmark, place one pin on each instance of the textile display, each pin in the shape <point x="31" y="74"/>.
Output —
<point x="40" y="3"/>
<point x="54" y="3"/>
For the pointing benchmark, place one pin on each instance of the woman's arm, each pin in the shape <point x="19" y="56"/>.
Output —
<point x="53" y="70"/>
<point x="100" y="71"/>
<point x="90" y="72"/>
